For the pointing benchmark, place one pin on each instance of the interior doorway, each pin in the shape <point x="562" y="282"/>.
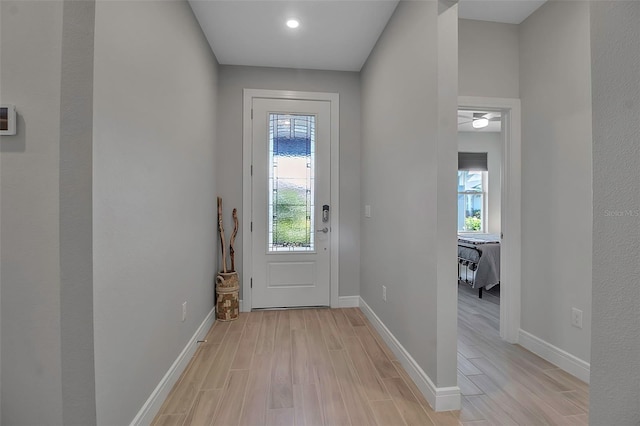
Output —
<point x="479" y="208"/>
<point x="506" y="113"/>
<point x="479" y="228"/>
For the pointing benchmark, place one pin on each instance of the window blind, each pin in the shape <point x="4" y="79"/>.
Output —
<point x="476" y="161"/>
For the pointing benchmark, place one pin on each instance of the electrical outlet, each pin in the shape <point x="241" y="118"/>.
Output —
<point x="384" y="293"/>
<point x="184" y="311"/>
<point x="576" y="317"/>
<point x="367" y="211"/>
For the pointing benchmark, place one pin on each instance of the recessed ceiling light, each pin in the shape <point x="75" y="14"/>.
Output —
<point x="293" y="23"/>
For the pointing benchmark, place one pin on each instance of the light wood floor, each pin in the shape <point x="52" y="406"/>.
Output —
<point x="506" y="384"/>
<point x="329" y="367"/>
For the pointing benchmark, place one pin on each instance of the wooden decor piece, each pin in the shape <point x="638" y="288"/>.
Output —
<point x="227" y="301"/>
<point x="222" y="242"/>
<point x="232" y="251"/>
<point x="227" y="284"/>
<point x="227" y="279"/>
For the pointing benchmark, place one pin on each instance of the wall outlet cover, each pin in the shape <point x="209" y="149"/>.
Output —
<point x="576" y="317"/>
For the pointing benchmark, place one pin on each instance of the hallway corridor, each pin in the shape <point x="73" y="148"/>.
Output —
<point x="330" y="367"/>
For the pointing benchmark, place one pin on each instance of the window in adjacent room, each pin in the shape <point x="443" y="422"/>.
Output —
<point x="472" y="192"/>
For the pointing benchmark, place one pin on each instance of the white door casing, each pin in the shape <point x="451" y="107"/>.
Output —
<point x="274" y="275"/>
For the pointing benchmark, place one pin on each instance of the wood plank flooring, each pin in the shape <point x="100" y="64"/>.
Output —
<point x="329" y="367"/>
<point x="506" y="384"/>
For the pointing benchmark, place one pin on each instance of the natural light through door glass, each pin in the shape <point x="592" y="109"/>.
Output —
<point x="291" y="182"/>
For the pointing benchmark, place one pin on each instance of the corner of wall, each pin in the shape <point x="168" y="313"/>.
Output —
<point x="440" y="398"/>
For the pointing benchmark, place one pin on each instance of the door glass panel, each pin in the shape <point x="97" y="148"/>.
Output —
<point x="291" y="182"/>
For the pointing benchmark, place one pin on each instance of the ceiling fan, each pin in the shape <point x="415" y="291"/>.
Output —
<point x="478" y="120"/>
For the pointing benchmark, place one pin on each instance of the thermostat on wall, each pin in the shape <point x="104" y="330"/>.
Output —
<point x="7" y="120"/>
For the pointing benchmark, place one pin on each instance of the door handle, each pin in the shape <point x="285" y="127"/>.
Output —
<point x="323" y="230"/>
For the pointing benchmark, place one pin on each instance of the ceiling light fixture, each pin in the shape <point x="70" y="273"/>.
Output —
<point x="480" y="123"/>
<point x="293" y="23"/>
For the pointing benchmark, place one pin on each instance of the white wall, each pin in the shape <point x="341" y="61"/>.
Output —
<point x="615" y="353"/>
<point x="408" y="163"/>
<point x="30" y="79"/>
<point x="154" y="195"/>
<point x="232" y="80"/>
<point x="555" y="89"/>
<point x="488" y="58"/>
<point x="491" y="143"/>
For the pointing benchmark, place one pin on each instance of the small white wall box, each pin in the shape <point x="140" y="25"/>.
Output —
<point x="7" y="120"/>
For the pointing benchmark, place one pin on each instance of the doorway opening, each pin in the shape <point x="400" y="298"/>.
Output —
<point x="479" y="228"/>
<point x="480" y="214"/>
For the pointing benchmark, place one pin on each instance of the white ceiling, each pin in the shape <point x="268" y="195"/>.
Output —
<point x="506" y="11"/>
<point x="333" y="34"/>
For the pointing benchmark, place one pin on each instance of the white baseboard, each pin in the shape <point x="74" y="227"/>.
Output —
<point x="441" y="399"/>
<point x="556" y="356"/>
<point x="154" y="402"/>
<point x="349" y="301"/>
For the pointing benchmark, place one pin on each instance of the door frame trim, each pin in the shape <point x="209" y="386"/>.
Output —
<point x="510" y="253"/>
<point x="334" y="100"/>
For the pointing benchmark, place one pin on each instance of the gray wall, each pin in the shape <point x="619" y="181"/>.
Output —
<point x="76" y="216"/>
<point x="47" y="369"/>
<point x="154" y="195"/>
<point x="446" y="200"/>
<point x="488" y="57"/>
<point x="30" y="264"/>
<point x="615" y="354"/>
<point x="491" y="143"/>
<point x="232" y="80"/>
<point x="555" y="90"/>
<point x="404" y="158"/>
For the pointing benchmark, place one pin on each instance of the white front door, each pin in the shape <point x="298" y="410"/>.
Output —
<point x="291" y="215"/>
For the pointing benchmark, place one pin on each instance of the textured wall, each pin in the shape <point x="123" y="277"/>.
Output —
<point x="615" y="354"/>
<point x="154" y="195"/>
<point x="229" y="168"/>
<point x="555" y="90"/>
